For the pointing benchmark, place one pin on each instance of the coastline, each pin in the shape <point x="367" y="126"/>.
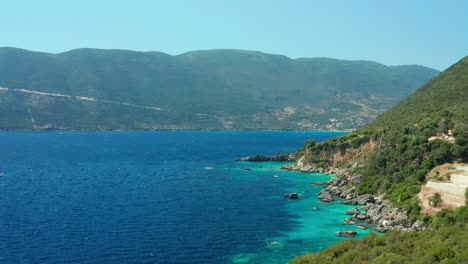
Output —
<point x="314" y="224"/>
<point x="363" y="213"/>
<point x="373" y="211"/>
<point x="148" y="130"/>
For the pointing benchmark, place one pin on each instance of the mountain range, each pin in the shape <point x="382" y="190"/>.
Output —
<point x="213" y="89"/>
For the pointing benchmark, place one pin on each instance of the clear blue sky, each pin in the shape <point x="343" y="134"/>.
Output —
<point x="430" y="33"/>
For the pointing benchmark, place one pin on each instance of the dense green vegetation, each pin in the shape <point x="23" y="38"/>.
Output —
<point x="446" y="241"/>
<point x="435" y="200"/>
<point x="237" y="89"/>
<point x="400" y="167"/>
<point x="397" y="166"/>
<point x="402" y="155"/>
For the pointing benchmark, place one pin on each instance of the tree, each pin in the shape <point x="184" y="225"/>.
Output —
<point x="435" y="200"/>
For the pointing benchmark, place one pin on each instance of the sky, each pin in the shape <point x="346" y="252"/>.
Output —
<point x="396" y="32"/>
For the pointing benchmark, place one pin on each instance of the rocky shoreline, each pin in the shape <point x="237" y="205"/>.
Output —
<point x="262" y="158"/>
<point x="369" y="210"/>
<point x="309" y="169"/>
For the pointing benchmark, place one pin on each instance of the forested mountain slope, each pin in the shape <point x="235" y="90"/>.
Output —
<point x="391" y="157"/>
<point x="215" y="89"/>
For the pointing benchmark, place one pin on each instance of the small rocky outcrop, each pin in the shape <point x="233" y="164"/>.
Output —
<point x="325" y="196"/>
<point x="418" y="225"/>
<point x="288" y="167"/>
<point x="293" y="196"/>
<point x="380" y="229"/>
<point x="276" y="157"/>
<point x="309" y="168"/>
<point x="347" y="233"/>
<point x="306" y="168"/>
<point x="353" y="211"/>
<point x="361" y="217"/>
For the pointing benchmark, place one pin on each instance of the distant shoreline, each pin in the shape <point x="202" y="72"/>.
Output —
<point x="149" y="130"/>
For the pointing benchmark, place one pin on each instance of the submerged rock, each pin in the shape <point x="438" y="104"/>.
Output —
<point x="292" y="196"/>
<point x="347" y="233"/>
<point x="317" y="183"/>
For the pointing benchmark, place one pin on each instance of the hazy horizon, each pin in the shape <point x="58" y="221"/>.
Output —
<point x="424" y="33"/>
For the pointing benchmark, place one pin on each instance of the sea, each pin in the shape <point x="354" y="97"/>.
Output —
<point x="169" y="197"/>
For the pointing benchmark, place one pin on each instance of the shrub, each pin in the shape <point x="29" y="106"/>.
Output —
<point x="436" y="200"/>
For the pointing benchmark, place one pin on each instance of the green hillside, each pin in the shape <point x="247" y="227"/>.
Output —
<point x="402" y="155"/>
<point x="395" y="167"/>
<point x="437" y="107"/>
<point x="445" y="96"/>
<point x="215" y="89"/>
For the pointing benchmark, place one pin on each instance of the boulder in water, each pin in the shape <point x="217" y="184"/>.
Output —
<point x="293" y="196"/>
<point x="325" y="196"/>
<point x="347" y="233"/>
<point x="272" y="242"/>
<point x="353" y="211"/>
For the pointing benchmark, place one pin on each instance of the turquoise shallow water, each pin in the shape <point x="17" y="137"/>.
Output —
<point x="312" y="230"/>
<point x="172" y="197"/>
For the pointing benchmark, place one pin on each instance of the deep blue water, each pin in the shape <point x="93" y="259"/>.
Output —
<point x="150" y="197"/>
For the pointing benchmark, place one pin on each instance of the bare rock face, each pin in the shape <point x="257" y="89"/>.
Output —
<point x="418" y="225"/>
<point x="306" y="168"/>
<point x="364" y="199"/>
<point x="361" y="217"/>
<point x="353" y="211"/>
<point x="325" y="196"/>
<point x="381" y="229"/>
